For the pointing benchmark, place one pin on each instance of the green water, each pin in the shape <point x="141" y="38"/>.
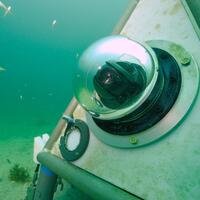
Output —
<point x="40" y="59"/>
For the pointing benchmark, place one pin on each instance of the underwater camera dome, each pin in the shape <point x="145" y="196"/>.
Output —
<point x="115" y="76"/>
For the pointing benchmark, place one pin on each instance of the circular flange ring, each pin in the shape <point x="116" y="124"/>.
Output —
<point x="82" y="146"/>
<point x="190" y="77"/>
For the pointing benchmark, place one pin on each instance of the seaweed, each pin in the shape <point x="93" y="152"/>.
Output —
<point x="19" y="174"/>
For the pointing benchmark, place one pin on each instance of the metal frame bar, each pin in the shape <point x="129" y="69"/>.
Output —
<point x="188" y="9"/>
<point x="120" y="25"/>
<point x="60" y="125"/>
<point x="95" y="187"/>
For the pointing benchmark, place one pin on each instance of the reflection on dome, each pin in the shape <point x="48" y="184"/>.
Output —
<point x="115" y="75"/>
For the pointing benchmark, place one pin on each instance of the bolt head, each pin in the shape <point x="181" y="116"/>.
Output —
<point x="133" y="140"/>
<point x="185" y="61"/>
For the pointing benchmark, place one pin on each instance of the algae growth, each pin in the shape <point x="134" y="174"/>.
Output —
<point x="19" y="174"/>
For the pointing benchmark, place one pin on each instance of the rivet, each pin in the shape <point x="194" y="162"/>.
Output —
<point x="133" y="140"/>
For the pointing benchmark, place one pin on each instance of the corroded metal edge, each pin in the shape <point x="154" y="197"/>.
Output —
<point x="191" y="17"/>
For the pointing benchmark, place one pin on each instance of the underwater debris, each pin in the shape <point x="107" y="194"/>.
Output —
<point x="19" y="174"/>
<point x="20" y="97"/>
<point x="8" y="161"/>
<point x="77" y="55"/>
<point x="50" y="94"/>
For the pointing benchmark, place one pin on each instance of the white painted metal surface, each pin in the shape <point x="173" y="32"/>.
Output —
<point x="168" y="168"/>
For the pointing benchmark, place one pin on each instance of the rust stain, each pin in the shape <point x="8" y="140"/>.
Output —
<point x="175" y="8"/>
<point x="79" y="112"/>
<point x="157" y="27"/>
<point x="165" y="12"/>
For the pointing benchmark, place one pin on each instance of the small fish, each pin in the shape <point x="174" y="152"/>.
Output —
<point x="8" y="10"/>
<point x="2" y="5"/>
<point x="53" y="23"/>
<point x="5" y="8"/>
<point x="2" y="69"/>
<point x="20" y="97"/>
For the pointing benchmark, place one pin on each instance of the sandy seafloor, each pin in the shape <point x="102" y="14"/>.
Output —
<point x="20" y="151"/>
<point x="13" y="151"/>
<point x="16" y="147"/>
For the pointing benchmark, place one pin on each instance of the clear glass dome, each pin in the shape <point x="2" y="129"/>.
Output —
<point x="115" y="75"/>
